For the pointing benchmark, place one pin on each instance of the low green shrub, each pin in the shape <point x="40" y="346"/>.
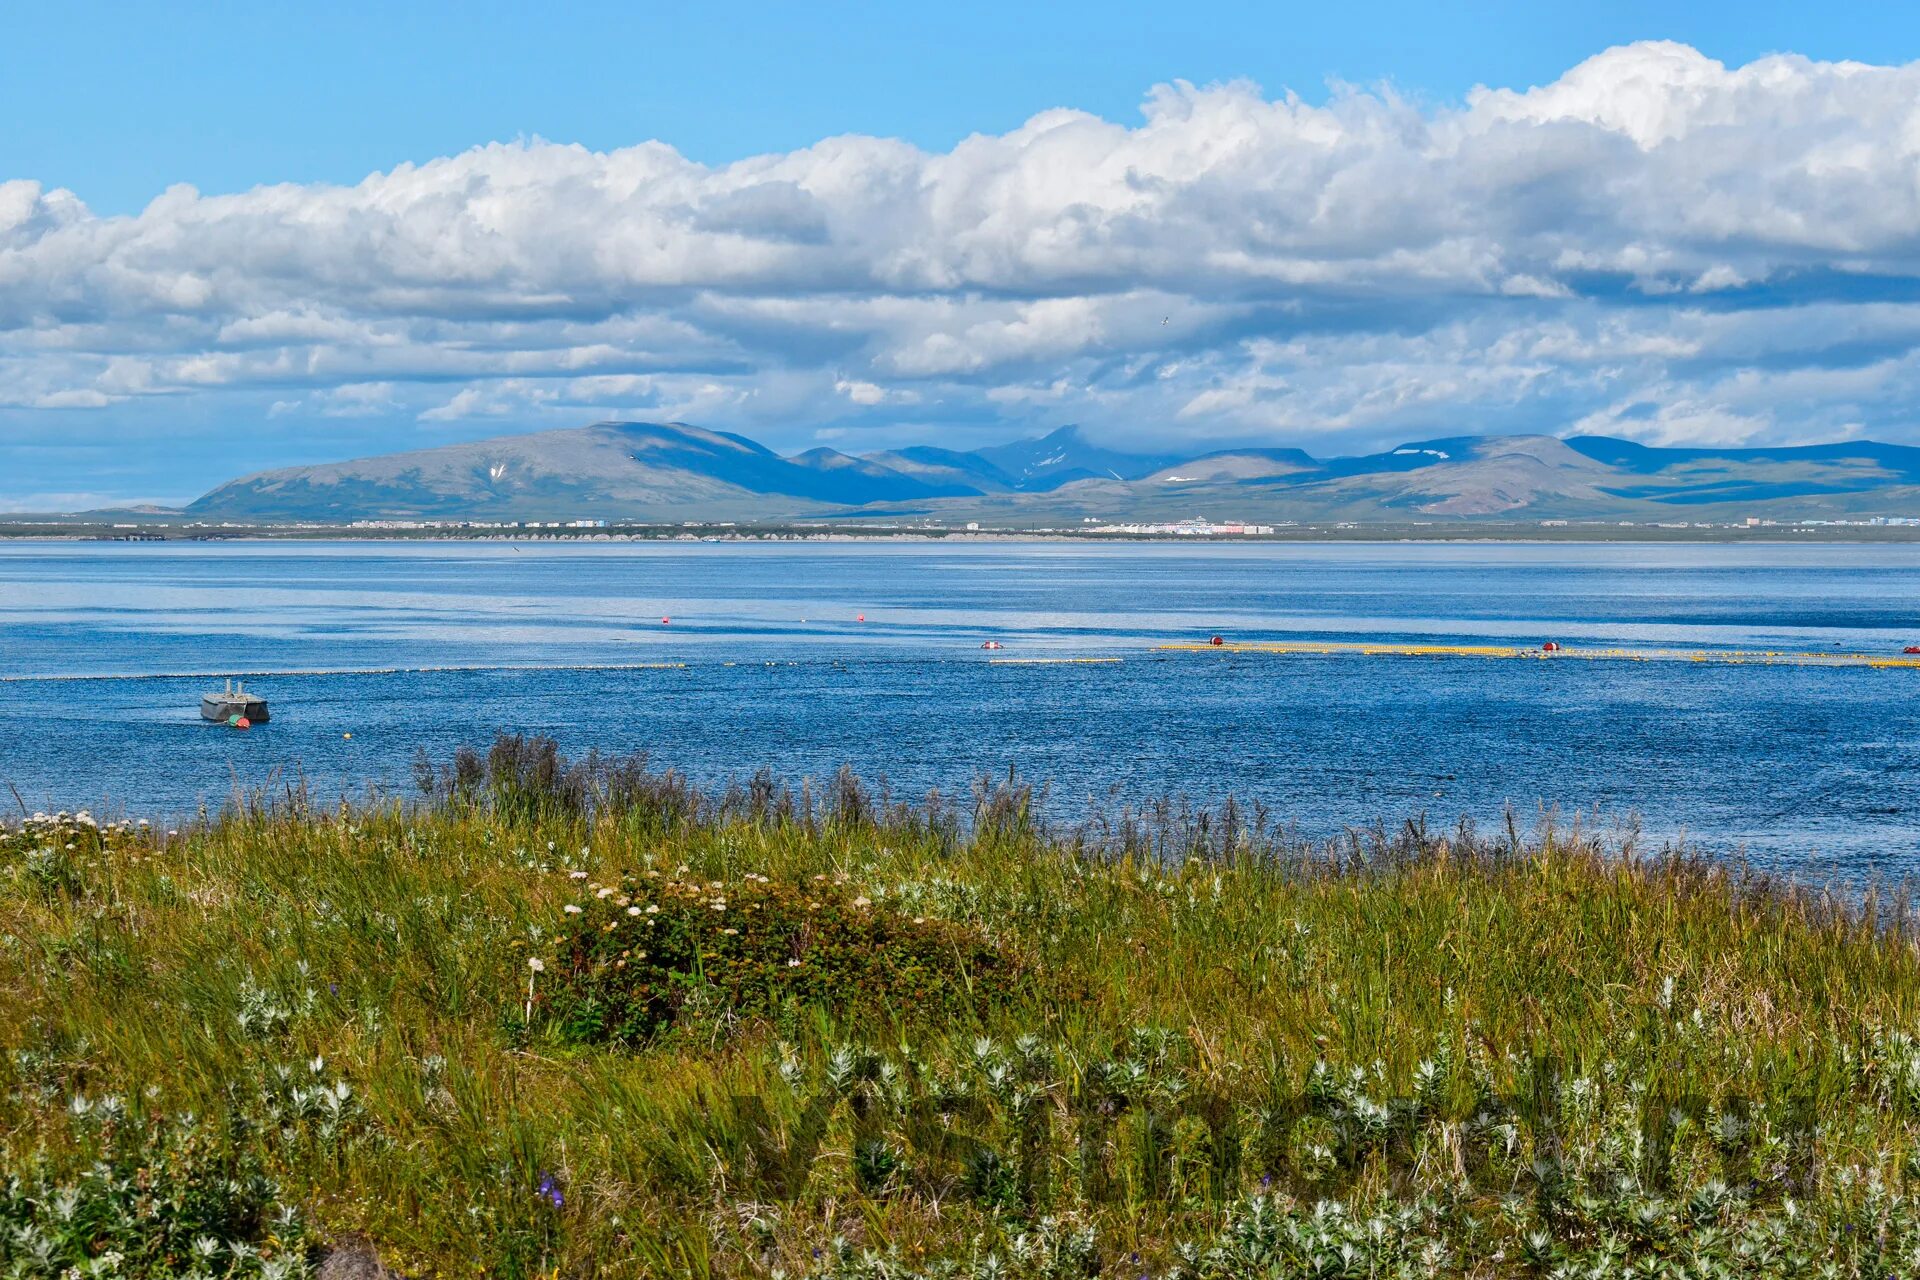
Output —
<point x="632" y="959"/>
<point x="150" y="1195"/>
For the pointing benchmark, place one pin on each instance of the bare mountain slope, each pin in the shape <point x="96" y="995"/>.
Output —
<point x="673" y="472"/>
<point x="621" y="470"/>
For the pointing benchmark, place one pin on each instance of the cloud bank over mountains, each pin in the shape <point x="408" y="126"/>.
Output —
<point x="1655" y="246"/>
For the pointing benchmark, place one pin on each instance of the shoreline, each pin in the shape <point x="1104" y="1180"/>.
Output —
<point x="618" y="1013"/>
<point x="1382" y="535"/>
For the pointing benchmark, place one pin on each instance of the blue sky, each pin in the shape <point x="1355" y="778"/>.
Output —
<point x="227" y="96"/>
<point x="1687" y="242"/>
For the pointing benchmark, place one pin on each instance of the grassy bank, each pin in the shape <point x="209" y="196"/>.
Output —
<point x="584" y="1021"/>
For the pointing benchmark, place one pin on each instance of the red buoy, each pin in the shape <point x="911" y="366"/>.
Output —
<point x="1551" y="646"/>
<point x="241" y="722"/>
<point x="1216" y="640"/>
<point x="666" y="622"/>
<point x="861" y="618"/>
<point x="1912" y="648"/>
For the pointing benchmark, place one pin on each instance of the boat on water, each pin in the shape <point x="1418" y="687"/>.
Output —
<point x="233" y="705"/>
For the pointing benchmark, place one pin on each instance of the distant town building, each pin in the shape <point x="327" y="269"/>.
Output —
<point x="1190" y="529"/>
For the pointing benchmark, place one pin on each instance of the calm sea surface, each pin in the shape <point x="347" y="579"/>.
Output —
<point x="103" y="646"/>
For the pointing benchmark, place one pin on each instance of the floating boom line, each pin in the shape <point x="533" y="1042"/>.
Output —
<point x="1560" y="653"/>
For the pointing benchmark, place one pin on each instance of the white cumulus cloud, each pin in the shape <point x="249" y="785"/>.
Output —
<point x="1729" y="245"/>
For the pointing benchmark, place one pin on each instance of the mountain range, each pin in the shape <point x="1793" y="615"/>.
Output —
<point x="639" y="471"/>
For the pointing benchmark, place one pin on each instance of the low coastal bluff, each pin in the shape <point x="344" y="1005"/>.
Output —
<point x="571" y="1017"/>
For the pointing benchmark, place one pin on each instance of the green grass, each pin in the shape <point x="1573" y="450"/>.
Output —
<point x="937" y="1041"/>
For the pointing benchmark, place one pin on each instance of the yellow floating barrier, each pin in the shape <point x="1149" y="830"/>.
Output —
<point x="1375" y="649"/>
<point x="1053" y="661"/>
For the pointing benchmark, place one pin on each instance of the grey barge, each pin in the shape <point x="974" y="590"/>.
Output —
<point x="234" y="703"/>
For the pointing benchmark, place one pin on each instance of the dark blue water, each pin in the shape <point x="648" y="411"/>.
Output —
<point x="1812" y="769"/>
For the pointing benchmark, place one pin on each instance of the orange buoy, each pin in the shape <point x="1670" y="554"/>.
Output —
<point x="1216" y="640"/>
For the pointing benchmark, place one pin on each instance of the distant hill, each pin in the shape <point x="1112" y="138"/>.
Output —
<point x="969" y="470"/>
<point x="673" y="472"/>
<point x="1065" y="456"/>
<point x="630" y="470"/>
